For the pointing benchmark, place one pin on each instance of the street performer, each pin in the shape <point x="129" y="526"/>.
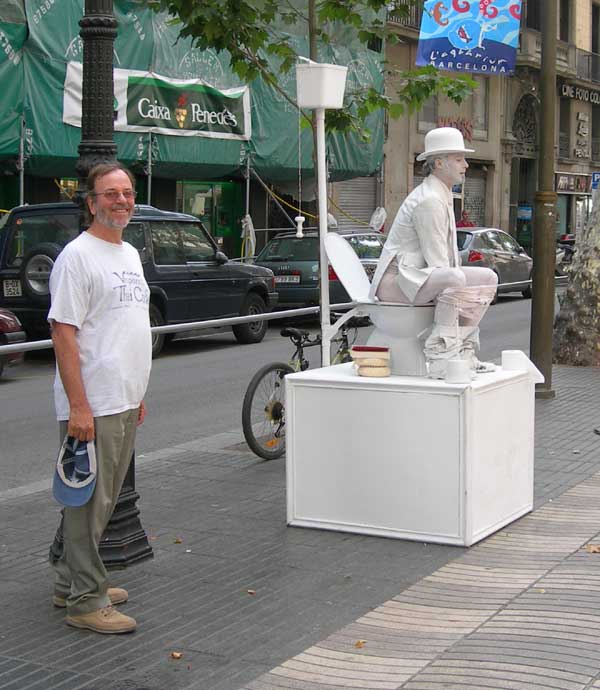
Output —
<point x="420" y="264"/>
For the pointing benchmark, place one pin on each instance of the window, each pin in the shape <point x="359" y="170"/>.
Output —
<point x="479" y="108"/>
<point x="179" y="243"/>
<point x="564" y="126"/>
<point x="428" y="114"/>
<point x="291" y="249"/>
<point x="595" y="133"/>
<point x="134" y="234"/>
<point x="366" y="247"/>
<point x="564" y="20"/>
<point x="32" y="230"/>
<point x="463" y="239"/>
<point x="534" y="15"/>
<point x="195" y="243"/>
<point x="508" y="244"/>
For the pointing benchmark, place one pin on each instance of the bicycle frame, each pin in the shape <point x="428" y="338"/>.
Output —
<point x="298" y="362"/>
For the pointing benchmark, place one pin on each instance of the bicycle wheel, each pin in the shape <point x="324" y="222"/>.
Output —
<point x="263" y="411"/>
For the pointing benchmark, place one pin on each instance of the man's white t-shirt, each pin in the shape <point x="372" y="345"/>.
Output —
<point x="99" y="287"/>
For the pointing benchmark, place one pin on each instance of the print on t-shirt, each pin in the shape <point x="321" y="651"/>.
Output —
<point x="131" y="289"/>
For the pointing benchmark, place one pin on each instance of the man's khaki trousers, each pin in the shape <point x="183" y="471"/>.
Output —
<point x="80" y="574"/>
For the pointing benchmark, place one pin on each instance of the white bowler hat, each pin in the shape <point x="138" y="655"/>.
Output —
<point x="443" y="140"/>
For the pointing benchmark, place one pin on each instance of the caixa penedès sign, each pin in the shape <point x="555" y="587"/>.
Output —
<point x="146" y="102"/>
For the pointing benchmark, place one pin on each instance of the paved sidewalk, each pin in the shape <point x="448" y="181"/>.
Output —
<point x="253" y="604"/>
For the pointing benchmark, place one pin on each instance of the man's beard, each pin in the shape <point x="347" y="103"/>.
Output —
<point x="110" y="222"/>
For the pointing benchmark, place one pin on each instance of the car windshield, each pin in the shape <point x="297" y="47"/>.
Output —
<point x="463" y="239"/>
<point x="366" y="246"/>
<point x="28" y="231"/>
<point x="291" y="249"/>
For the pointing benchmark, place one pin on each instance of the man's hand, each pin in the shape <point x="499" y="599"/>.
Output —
<point x="141" y="414"/>
<point x="81" y="423"/>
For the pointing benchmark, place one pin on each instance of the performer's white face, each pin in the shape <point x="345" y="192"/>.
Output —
<point x="452" y="169"/>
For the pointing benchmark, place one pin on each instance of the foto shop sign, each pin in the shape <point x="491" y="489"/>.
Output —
<point x="146" y="102"/>
<point x="578" y="93"/>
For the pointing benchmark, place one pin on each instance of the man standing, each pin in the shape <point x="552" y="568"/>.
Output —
<point x="420" y="264"/>
<point x="102" y="341"/>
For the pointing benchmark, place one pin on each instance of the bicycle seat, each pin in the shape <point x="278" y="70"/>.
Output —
<point x="294" y="333"/>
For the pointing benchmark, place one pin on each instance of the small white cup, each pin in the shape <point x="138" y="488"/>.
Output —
<point x="458" y="371"/>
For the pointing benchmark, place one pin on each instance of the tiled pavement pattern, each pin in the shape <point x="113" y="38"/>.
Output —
<point x="516" y="611"/>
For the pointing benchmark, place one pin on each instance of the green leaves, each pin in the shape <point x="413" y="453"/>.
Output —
<point x="251" y="30"/>
<point x="420" y="84"/>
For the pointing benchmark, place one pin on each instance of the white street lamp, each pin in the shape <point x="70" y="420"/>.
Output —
<point x="321" y="86"/>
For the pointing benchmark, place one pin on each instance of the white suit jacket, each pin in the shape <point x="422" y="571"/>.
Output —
<point x="422" y="237"/>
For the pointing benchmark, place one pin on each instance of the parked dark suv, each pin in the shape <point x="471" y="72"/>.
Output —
<point x="189" y="279"/>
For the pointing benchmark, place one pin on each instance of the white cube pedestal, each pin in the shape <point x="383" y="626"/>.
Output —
<point x="409" y="457"/>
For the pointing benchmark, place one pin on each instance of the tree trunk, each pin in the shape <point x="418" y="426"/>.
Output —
<point x="577" y="329"/>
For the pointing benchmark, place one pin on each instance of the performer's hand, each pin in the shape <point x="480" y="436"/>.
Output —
<point x="81" y="423"/>
<point x="141" y="413"/>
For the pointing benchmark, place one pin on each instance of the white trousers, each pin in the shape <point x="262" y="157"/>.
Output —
<point x="440" y="279"/>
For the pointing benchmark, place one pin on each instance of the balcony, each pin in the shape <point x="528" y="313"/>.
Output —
<point x="530" y="53"/>
<point x="411" y="21"/>
<point x="588" y="66"/>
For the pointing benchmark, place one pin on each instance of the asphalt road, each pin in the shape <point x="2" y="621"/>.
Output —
<point x="196" y="390"/>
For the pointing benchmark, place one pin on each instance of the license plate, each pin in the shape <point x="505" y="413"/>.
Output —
<point x="287" y="279"/>
<point x="12" y="288"/>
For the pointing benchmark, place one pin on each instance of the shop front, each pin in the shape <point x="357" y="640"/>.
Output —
<point x="574" y="202"/>
<point x="219" y="205"/>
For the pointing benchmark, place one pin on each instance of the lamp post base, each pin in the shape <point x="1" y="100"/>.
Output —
<point x="124" y="541"/>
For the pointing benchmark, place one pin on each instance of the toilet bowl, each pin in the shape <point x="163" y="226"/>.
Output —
<point x="397" y="326"/>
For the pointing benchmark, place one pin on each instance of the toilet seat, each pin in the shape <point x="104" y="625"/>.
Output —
<point x="397" y="326"/>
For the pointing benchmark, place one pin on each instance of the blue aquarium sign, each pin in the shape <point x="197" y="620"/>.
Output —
<point x="479" y="36"/>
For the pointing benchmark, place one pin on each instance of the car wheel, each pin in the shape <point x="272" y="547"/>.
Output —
<point x="495" y="299"/>
<point x="36" y="268"/>
<point x="156" y="319"/>
<point x="527" y="291"/>
<point x="254" y="331"/>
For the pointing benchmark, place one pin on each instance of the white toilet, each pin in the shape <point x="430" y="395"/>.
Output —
<point x="397" y="326"/>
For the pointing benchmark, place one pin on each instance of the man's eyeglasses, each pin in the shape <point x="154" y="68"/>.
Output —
<point x="113" y="194"/>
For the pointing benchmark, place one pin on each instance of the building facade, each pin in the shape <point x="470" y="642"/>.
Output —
<point x="501" y="122"/>
<point x="197" y="138"/>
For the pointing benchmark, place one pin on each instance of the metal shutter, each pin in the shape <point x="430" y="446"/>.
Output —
<point x="474" y="198"/>
<point x="358" y="198"/>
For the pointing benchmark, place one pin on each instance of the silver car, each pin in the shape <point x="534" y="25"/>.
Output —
<point x="496" y="249"/>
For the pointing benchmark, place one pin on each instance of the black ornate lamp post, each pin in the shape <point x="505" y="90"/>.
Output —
<point x="124" y="540"/>
<point x="98" y="32"/>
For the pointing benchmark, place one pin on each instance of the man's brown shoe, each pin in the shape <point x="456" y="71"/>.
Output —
<point x="107" y="620"/>
<point x="117" y="595"/>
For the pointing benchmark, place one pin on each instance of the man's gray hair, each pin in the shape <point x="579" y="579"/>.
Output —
<point x="429" y="164"/>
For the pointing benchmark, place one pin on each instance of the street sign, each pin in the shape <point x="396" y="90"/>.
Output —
<point x="595" y="180"/>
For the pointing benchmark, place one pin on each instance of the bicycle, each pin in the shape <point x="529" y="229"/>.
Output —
<point x="263" y="410"/>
